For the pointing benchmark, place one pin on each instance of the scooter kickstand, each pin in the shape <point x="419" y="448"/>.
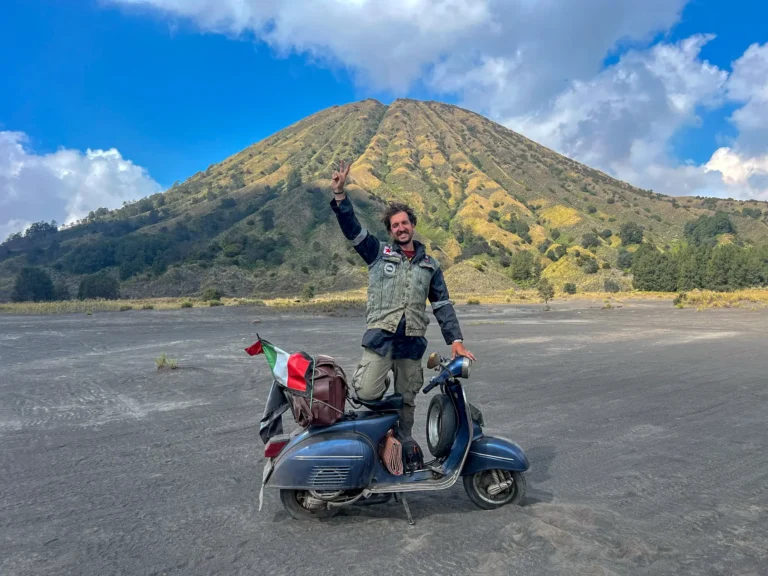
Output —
<point x="407" y="509"/>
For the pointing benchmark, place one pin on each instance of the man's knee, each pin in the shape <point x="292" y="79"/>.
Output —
<point x="370" y="378"/>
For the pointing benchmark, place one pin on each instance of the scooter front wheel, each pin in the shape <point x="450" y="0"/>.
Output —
<point x="301" y="506"/>
<point x="490" y="489"/>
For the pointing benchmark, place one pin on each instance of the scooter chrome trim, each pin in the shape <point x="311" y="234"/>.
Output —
<point x="426" y="485"/>
<point x="325" y="457"/>
<point x="493" y="457"/>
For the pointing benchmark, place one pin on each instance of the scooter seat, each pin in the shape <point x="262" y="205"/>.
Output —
<point x="391" y="403"/>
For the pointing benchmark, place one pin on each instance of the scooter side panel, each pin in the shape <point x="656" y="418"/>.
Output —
<point x="338" y="461"/>
<point x="489" y="453"/>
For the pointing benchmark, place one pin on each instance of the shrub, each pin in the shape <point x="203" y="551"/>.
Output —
<point x="473" y="302"/>
<point x="99" y="285"/>
<point x="569" y="288"/>
<point x="607" y="233"/>
<point x="308" y="292"/>
<point x="591" y="209"/>
<point x="590" y="240"/>
<point x="590" y="266"/>
<point x="211" y="293"/>
<point x="126" y="307"/>
<point x="624" y="260"/>
<point x="679" y="300"/>
<point x="551" y="255"/>
<point x="611" y="286"/>
<point x="555" y="233"/>
<point x="631" y="233"/>
<point x="147" y="307"/>
<point x="215" y="303"/>
<point x="165" y="363"/>
<point x="606" y="265"/>
<point x="186" y="304"/>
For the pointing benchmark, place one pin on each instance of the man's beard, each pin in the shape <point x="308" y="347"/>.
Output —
<point x="403" y="242"/>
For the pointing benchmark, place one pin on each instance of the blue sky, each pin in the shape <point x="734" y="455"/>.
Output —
<point x="158" y="89"/>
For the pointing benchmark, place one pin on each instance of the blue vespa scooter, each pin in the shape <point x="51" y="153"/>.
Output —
<point x="323" y="469"/>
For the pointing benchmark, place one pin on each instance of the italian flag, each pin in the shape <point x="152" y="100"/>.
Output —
<point x="291" y="371"/>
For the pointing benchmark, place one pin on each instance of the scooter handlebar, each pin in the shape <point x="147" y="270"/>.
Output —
<point x="429" y="387"/>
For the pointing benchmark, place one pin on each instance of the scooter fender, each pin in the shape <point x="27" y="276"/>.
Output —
<point x="492" y="453"/>
<point x="325" y="462"/>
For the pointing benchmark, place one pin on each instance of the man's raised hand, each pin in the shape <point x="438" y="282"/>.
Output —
<point x="339" y="178"/>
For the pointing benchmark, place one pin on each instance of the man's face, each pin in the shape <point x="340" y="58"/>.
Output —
<point x="400" y="228"/>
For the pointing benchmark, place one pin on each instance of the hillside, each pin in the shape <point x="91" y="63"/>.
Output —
<point x="259" y="222"/>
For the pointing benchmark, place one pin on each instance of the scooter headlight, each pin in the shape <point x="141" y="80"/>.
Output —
<point x="466" y="363"/>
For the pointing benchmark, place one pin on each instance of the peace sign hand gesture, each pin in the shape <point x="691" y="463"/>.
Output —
<point x="340" y="178"/>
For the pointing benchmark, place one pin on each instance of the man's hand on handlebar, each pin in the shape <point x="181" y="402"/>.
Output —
<point x="458" y="349"/>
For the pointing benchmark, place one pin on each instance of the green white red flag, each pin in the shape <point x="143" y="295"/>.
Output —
<point x="292" y="371"/>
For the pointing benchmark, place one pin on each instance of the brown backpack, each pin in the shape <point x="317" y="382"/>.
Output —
<point x="326" y="406"/>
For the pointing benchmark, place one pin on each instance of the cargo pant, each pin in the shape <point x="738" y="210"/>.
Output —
<point x="370" y="383"/>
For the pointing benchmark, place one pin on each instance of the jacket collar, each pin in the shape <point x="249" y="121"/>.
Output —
<point x="421" y="250"/>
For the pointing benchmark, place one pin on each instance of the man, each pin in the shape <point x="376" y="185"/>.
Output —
<point x="401" y="277"/>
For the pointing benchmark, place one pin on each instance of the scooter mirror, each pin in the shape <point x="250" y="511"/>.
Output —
<point x="433" y="361"/>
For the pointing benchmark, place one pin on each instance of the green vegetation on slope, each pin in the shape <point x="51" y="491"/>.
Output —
<point x="260" y="220"/>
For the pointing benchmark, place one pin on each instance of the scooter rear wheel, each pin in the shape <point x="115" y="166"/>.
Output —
<point x="477" y="488"/>
<point x="294" y="503"/>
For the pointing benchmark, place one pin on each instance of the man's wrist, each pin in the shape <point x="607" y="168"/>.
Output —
<point x="459" y="340"/>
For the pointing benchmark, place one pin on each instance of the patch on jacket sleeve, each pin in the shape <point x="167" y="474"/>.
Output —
<point x="388" y="250"/>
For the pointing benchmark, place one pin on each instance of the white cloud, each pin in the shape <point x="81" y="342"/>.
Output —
<point x="387" y="43"/>
<point x="391" y="44"/>
<point x="64" y="185"/>
<point x="622" y="119"/>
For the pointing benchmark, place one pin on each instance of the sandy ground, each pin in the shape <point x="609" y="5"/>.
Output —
<point x="645" y="426"/>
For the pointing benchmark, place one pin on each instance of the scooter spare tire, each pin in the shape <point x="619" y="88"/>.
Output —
<point x="442" y="425"/>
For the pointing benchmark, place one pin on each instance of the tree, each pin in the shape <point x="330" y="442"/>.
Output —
<point x="590" y="266"/>
<point x="32" y="284"/>
<point x="294" y="179"/>
<point x="631" y="233"/>
<point x="692" y="267"/>
<point x="41" y="230"/>
<point x="653" y="270"/>
<point x="705" y="229"/>
<point x="267" y="219"/>
<point x="525" y="267"/>
<point x="99" y="285"/>
<point x="611" y="286"/>
<point x="624" y="261"/>
<point x="61" y="291"/>
<point x="546" y="291"/>
<point x="569" y="288"/>
<point x="590" y="240"/>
